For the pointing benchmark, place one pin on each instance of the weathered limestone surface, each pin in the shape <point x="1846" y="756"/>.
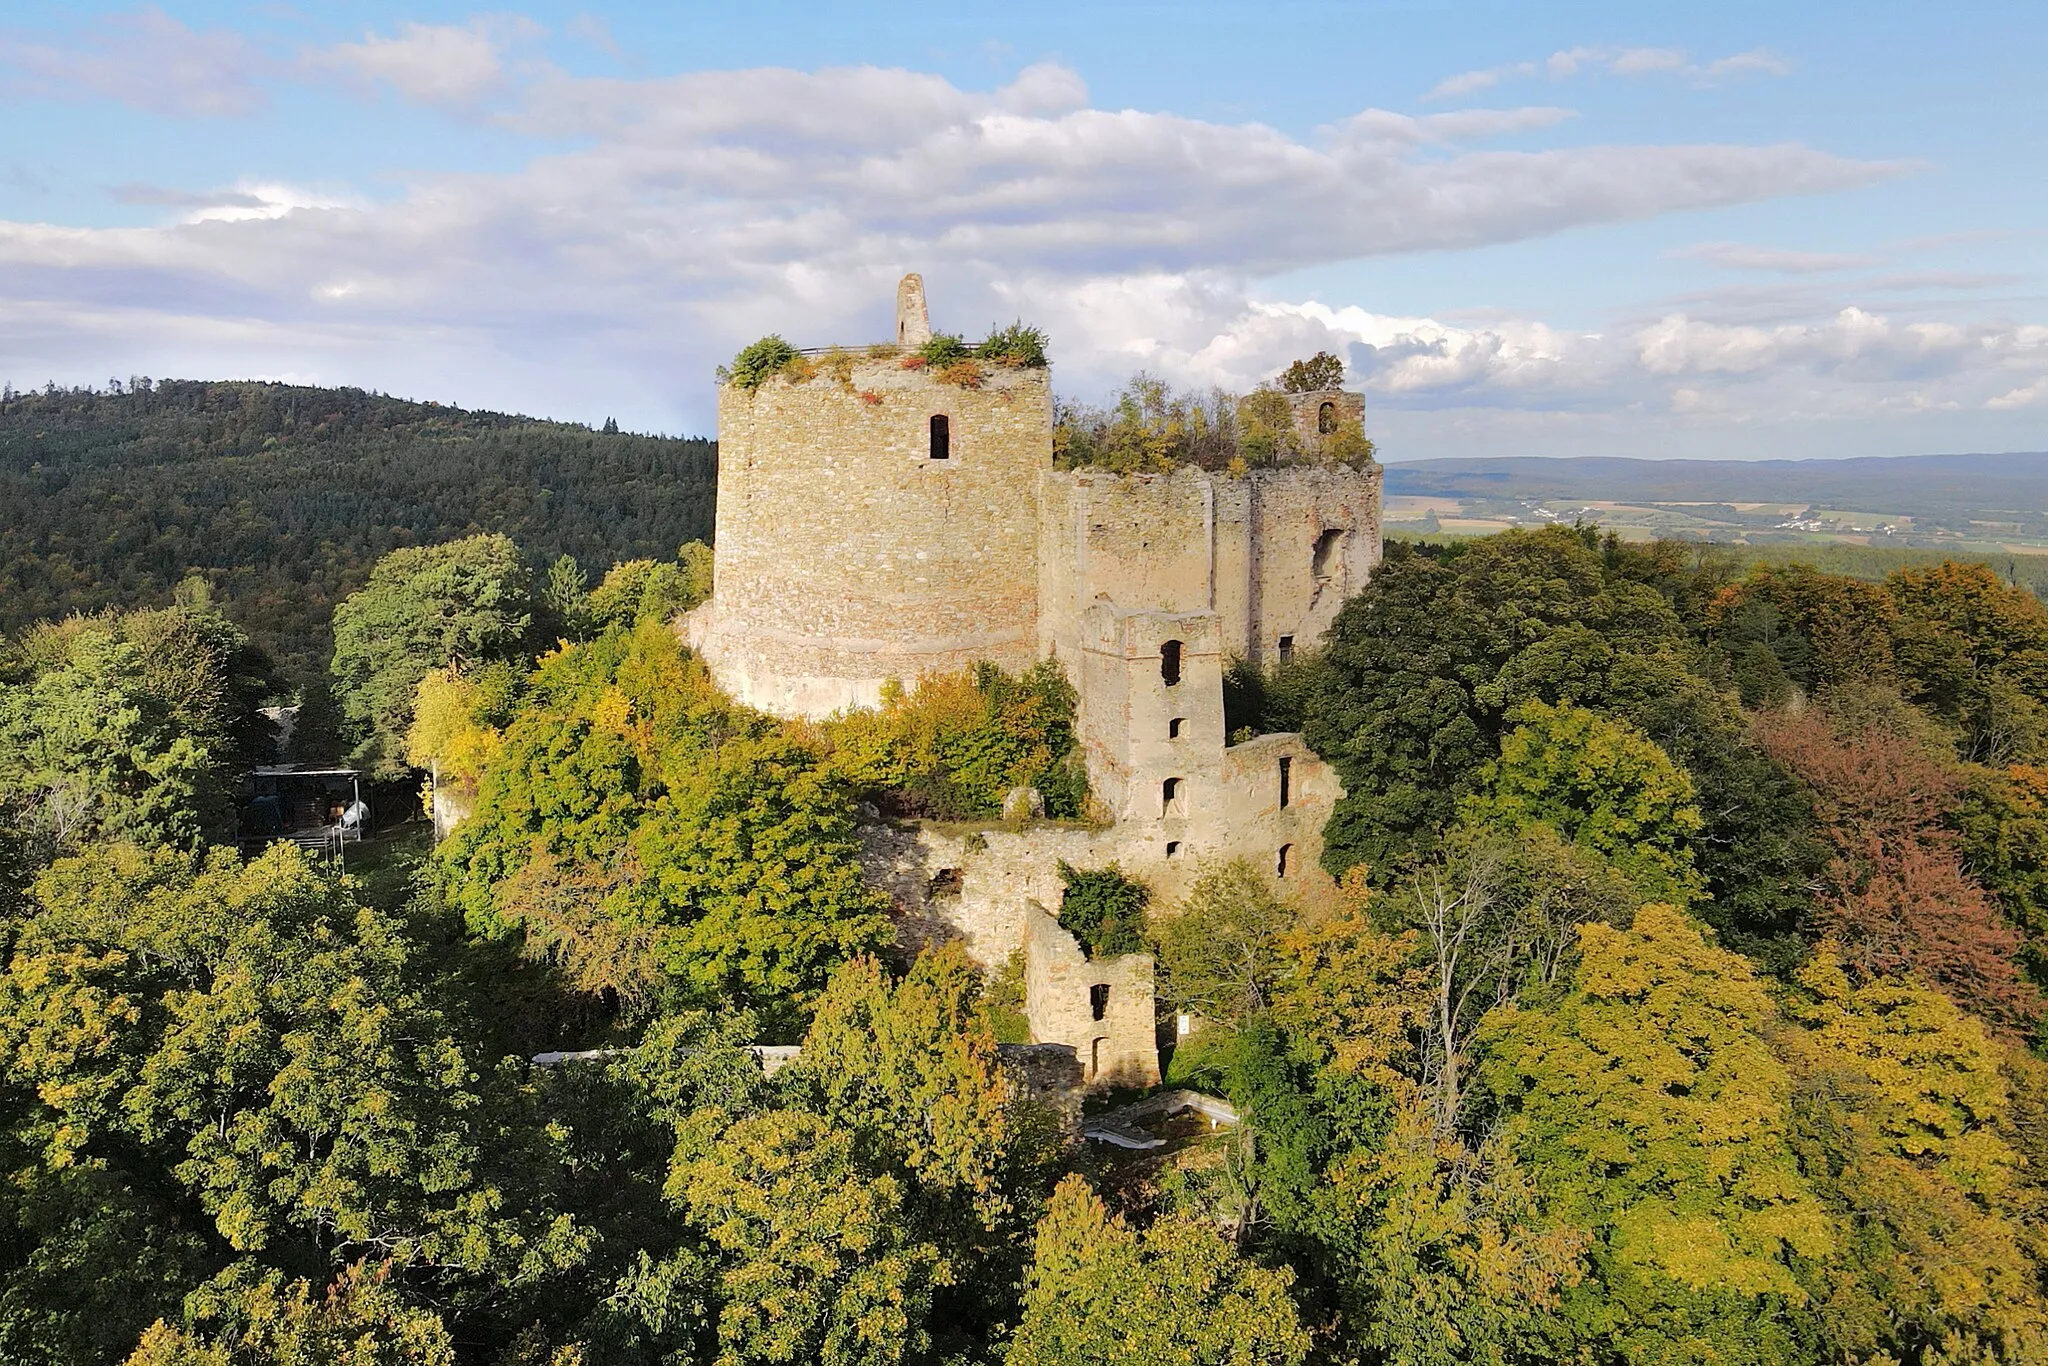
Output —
<point x="845" y="555"/>
<point x="1102" y="1008"/>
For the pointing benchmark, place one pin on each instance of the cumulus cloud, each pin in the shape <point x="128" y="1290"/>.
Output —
<point x="1854" y="365"/>
<point x="454" y="66"/>
<point x="146" y="59"/>
<point x="1620" y="61"/>
<point x="692" y="213"/>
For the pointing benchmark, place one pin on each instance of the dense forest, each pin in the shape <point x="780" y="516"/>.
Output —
<point x="281" y="497"/>
<point x="1679" y="997"/>
<point x="1680" y="1000"/>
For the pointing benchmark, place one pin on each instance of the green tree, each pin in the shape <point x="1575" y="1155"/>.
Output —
<point x="1902" y="1114"/>
<point x="245" y="1317"/>
<point x="1318" y="372"/>
<point x="1103" y="909"/>
<point x="651" y="590"/>
<point x="1102" y="1291"/>
<point x="914" y="1069"/>
<point x="424" y="608"/>
<point x="815" y="1263"/>
<point x="634" y="825"/>
<point x="1220" y="953"/>
<point x="564" y="601"/>
<point x="1453" y="1263"/>
<point x="1600" y="784"/>
<point x="1419" y="670"/>
<point x="245" y="1041"/>
<point x="131" y="725"/>
<point x="1651" y="1111"/>
<point x="958" y="744"/>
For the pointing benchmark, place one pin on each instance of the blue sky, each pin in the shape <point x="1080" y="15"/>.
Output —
<point x="1645" y="229"/>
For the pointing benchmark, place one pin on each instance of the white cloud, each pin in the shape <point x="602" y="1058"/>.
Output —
<point x="146" y="59"/>
<point x="1620" y="61"/>
<point x="696" y="212"/>
<point x="449" y="65"/>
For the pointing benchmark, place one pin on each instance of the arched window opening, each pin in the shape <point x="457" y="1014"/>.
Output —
<point x="1326" y="418"/>
<point x="942" y="437"/>
<point x="1323" y="564"/>
<point x="1098" y="999"/>
<point x="1170" y="802"/>
<point x="1286" y="857"/>
<point x="1169" y="662"/>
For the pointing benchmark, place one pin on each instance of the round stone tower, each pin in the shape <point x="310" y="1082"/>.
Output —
<point x="875" y="521"/>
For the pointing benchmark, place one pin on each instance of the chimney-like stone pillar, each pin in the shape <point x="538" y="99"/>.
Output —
<point x="913" y="323"/>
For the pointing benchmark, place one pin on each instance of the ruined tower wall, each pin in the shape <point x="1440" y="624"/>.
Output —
<point x="1309" y="538"/>
<point x="847" y="555"/>
<point x="1251" y="550"/>
<point x="1102" y="1008"/>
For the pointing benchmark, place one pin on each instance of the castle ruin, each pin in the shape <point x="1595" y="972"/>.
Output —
<point x="880" y="524"/>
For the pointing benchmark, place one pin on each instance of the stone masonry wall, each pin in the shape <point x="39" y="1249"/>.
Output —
<point x="845" y="555"/>
<point x="1102" y="1008"/>
<point x="1190" y="541"/>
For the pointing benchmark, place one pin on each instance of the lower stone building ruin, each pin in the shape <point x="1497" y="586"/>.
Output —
<point x="878" y="523"/>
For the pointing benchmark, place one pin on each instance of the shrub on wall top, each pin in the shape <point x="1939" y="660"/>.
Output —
<point x="760" y="361"/>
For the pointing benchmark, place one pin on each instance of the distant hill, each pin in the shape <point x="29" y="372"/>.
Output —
<point x="1923" y="500"/>
<point x="282" y="496"/>
<point x="1929" y="485"/>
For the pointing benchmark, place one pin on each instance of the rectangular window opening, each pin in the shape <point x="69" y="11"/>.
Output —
<point x="1173" y="727"/>
<point x="942" y="437"/>
<point x="1169" y="663"/>
<point x="1287" y="649"/>
<point x="1098" y="999"/>
<point x="1286" y="781"/>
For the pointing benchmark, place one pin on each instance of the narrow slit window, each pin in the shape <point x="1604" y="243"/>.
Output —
<point x="1098" y="999"/>
<point x="1286" y="645"/>
<point x="1286" y="781"/>
<point x="942" y="437"/>
<point x="1169" y="662"/>
<point x="1286" y="857"/>
<point x="1169" y="797"/>
<point x="1173" y="727"/>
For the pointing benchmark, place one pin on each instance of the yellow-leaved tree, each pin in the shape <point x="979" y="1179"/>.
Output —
<point x="1654" y="1113"/>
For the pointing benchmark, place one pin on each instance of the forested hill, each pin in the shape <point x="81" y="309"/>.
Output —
<point x="282" y="496"/>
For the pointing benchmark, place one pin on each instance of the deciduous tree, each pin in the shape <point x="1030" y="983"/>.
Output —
<point x="1100" y="1290"/>
<point x="424" y="608"/>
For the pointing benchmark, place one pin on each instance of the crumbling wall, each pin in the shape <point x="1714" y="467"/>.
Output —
<point x="1273" y="554"/>
<point x="1324" y="412"/>
<point x="1103" y="1009"/>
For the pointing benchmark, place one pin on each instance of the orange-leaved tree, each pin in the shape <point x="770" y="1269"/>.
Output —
<point x="1896" y="895"/>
